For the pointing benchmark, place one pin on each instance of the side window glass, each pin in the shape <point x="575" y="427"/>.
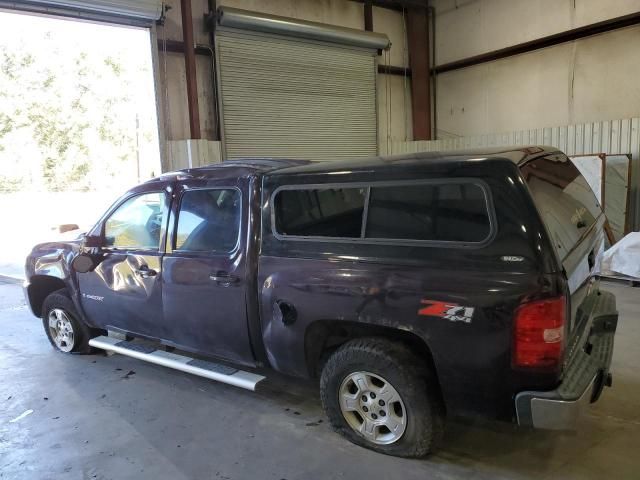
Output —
<point x="328" y="212"/>
<point x="137" y="223"/>
<point x="451" y="212"/>
<point x="208" y="220"/>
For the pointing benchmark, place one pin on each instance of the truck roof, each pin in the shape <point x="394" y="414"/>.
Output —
<point x="249" y="166"/>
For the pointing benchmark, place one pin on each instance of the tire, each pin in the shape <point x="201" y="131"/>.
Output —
<point x="59" y="309"/>
<point x="367" y="366"/>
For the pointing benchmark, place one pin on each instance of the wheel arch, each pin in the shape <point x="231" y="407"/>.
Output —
<point x="322" y="337"/>
<point x="40" y="287"/>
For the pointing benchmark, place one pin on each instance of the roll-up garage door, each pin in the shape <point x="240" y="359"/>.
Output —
<point x="288" y="96"/>
<point x="138" y="12"/>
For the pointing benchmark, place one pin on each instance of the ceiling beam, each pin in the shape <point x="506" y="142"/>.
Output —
<point x="544" y="42"/>
<point x="397" y="5"/>
<point x="176" y="46"/>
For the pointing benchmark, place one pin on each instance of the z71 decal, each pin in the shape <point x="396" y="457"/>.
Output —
<point x="447" y="310"/>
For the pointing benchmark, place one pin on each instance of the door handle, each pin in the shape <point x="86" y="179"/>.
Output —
<point x="223" y="278"/>
<point x="146" y="272"/>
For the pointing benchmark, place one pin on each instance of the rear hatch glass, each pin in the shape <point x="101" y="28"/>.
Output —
<point x="563" y="198"/>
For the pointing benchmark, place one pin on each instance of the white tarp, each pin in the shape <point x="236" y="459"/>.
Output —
<point x="623" y="258"/>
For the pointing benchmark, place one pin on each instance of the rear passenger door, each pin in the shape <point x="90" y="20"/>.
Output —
<point x="204" y="289"/>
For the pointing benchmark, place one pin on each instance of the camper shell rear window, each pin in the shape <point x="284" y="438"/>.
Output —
<point x="567" y="205"/>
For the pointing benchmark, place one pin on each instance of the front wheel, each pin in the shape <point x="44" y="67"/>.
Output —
<point x="62" y="324"/>
<point x="379" y="395"/>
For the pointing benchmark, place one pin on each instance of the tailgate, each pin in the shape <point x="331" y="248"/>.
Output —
<point x="574" y="224"/>
<point x="585" y="375"/>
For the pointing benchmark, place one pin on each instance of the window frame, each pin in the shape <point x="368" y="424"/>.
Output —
<point x="163" y="227"/>
<point x="174" y="233"/>
<point x="388" y="241"/>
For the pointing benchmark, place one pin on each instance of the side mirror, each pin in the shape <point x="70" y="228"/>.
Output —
<point x="84" y="263"/>
<point x="92" y="241"/>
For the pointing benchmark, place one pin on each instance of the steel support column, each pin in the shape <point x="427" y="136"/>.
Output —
<point x="368" y="16"/>
<point x="418" y="46"/>
<point x="190" y="67"/>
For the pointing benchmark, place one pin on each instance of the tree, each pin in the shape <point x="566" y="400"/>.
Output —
<point x="67" y="122"/>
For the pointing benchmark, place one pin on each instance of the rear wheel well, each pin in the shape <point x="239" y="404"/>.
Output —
<point x="323" y="337"/>
<point x="40" y="286"/>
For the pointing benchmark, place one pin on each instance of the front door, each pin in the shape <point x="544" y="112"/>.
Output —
<point x="204" y="271"/>
<point x="124" y="291"/>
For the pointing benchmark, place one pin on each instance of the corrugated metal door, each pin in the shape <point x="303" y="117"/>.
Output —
<point x="287" y="97"/>
<point x="139" y="11"/>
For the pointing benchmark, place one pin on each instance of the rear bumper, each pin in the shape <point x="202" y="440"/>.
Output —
<point x="586" y="376"/>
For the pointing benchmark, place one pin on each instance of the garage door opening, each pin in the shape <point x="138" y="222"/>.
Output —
<point x="78" y="125"/>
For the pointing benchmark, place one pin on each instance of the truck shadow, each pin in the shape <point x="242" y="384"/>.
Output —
<point x="490" y="446"/>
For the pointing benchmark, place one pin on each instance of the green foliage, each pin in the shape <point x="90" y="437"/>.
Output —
<point x="6" y="126"/>
<point x="116" y="68"/>
<point x="75" y="116"/>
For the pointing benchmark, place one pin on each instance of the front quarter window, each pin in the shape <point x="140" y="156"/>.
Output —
<point x="137" y="223"/>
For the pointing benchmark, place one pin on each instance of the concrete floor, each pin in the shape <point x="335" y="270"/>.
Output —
<point x="93" y="418"/>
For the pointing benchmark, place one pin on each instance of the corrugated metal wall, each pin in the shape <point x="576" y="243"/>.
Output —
<point x="608" y="136"/>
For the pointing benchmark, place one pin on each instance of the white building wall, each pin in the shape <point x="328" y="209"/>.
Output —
<point x="584" y="81"/>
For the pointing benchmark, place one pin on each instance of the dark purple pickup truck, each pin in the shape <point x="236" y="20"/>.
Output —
<point x="415" y="287"/>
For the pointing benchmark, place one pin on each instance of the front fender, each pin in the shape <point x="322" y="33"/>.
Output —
<point x="51" y="259"/>
<point x="47" y="269"/>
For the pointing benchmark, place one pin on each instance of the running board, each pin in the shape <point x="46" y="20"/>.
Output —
<point x="202" y="368"/>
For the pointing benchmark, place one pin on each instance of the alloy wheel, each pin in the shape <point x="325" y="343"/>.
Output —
<point x="372" y="407"/>
<point x="61" y="329"/>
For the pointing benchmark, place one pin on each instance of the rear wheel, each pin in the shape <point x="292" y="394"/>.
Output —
<point x="379" y="395"/>
<point x="62" y="324"/>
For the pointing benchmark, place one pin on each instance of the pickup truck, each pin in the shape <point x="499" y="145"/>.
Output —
<point x="414" y="287"/>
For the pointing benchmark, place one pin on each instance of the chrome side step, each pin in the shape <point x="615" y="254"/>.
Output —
<point x="202" y="368"/>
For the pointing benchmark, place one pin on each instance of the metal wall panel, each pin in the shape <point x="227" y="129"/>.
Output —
<point x="192" y="153"/>
<point x="607" y="136"/>
<point x="288" y="97"/>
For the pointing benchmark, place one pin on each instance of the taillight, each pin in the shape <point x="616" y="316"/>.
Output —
<point x="538" y="341"/>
